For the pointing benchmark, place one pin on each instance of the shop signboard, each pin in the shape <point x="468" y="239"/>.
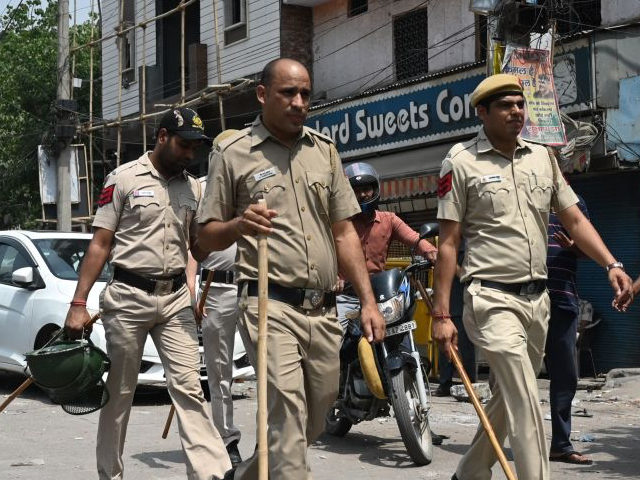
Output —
<point x="427" y="112"/>
<point x="435" y="110"/>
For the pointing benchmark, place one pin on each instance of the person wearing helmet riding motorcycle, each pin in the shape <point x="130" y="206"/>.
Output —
<point x="376" y="229"/>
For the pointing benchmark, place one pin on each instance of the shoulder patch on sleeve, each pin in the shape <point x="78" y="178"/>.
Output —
<point x="445" y="181"/>
<point x="106" y="195"/>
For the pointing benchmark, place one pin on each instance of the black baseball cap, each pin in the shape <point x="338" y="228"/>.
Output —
<point x="184" y="122"/>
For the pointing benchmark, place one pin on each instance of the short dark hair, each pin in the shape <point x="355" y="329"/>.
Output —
<point x="266" y="77"/>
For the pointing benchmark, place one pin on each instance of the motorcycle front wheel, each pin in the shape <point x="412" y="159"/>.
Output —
<point x="335" y="424"/>
<point x="412" y="420"/>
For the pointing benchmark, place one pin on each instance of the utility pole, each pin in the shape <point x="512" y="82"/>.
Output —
<point x="65" y="126"/>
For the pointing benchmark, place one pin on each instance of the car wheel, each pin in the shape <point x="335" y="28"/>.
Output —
<point x="45" y="334"/>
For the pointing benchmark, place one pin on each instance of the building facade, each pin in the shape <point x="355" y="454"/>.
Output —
<point x="392" y="82"/>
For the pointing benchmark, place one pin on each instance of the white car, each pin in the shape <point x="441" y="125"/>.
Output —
<point x="38" y="276"/>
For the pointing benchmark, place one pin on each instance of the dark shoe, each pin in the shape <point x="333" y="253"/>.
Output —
<point x="234" y="454"/>
<point x="230" y="474"/>
<point x="573" y="457"/>
<point x="443" y="391"/>
<point x="455" y="477"/>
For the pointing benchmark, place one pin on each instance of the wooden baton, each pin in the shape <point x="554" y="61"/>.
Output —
<point x="263" y="303"/>
<point x="23" y="386"/>
<point x="167" y="424"/>
<point x="455" y="358"/>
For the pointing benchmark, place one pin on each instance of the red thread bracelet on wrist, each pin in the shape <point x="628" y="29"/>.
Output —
<point x="440" y="316"/>
<point x="78" y="303"/>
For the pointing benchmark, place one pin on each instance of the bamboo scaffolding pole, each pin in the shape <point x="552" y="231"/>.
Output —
<point x="137" y="25"/>
<point x="183" y="13"/>
<point x="199" y="98"/>
<point x="223" y="123"/>
<point x="143" y="87"/>
<point x="90" y="183"/>
<point x="73" y="56"/>
<point x="120" y="53"/>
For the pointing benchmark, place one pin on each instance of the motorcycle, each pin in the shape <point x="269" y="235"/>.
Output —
<point x="401" y="372"/>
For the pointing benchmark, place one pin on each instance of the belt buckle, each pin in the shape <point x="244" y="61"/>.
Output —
<point x="528" y="288"/>
<point x="312" y="299"/>
<point x="163" y="287"/>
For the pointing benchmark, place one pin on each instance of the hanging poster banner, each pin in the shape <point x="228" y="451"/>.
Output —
<point x="49" y="177"/>
<point x="542" y="117"/>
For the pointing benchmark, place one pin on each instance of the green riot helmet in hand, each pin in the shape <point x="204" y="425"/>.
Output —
<point x="70" y="372"/>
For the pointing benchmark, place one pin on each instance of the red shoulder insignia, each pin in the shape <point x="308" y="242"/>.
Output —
<point x="106" y="196"/>
<point x="444" y="184"/>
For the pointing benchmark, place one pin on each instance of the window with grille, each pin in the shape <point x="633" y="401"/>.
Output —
<point x="127" y="44"/>
<point x="356" y="7"/>
<point x="235" y="21"/>
<point x="410" y="44"/>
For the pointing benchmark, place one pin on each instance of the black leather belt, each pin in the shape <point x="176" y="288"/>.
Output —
<point x="305" y="298"/>
<point x="155" y="285"/>
<point x="527" y="288"/>
<point x="219" y="276"/>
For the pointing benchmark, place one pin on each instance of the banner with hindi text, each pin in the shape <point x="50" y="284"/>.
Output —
<point x="534" y="67"/>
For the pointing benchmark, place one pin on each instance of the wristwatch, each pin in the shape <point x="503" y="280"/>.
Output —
<point x="615" y="265"/>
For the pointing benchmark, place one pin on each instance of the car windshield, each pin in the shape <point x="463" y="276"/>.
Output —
<point x="64" y="256"/>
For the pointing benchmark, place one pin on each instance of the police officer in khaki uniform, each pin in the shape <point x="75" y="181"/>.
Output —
<point x="145" y="224"/>
<point x="496" y="191"/>
<point x="219" y="321"/>
<point x="309" y="200"/>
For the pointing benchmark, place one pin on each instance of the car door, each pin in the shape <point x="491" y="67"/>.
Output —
<point x="15" y="307"/>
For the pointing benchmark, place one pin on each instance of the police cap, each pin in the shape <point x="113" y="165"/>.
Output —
<point x="499" y="84"/>
<point x="185" y="123"/>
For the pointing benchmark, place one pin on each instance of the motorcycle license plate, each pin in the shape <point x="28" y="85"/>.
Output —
<point x="405" y="327"/>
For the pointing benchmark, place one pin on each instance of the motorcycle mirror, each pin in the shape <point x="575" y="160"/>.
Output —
<point x="429" y="230"/>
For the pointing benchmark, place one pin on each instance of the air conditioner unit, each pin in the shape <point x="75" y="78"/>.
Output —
<point x="483" y="7"/>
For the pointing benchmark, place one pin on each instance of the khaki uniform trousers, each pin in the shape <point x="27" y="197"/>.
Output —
<point x="302" y="382"/>
<point x="128" y="315"/>
<point x="218" y="338"/>
<point x="511" y="331"/>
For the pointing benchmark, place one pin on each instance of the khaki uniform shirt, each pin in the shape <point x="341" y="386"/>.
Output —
<point x="503" y="206"/>
<point x="305" y="185"/>
<point x="152" y="217"/>
<point x="223" y="259"/>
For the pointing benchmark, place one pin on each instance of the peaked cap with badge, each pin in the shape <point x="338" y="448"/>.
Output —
<point x="185" y="123"/>
<point x="498" y="84"/>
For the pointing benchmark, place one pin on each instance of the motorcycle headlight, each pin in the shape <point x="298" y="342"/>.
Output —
<point x="392" y="309"/>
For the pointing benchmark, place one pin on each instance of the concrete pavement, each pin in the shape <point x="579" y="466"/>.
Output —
<point x="38" y="440"/>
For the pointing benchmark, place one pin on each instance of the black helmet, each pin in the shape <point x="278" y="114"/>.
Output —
<point x="360" y="174"/>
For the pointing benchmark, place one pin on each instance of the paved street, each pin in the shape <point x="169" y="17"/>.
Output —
<point x="39" y="440"/>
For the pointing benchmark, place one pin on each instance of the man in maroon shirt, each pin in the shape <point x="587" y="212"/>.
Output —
<point x="376" y="230"/>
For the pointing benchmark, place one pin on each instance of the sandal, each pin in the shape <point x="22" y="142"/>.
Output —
<point x="572" y="456"/>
